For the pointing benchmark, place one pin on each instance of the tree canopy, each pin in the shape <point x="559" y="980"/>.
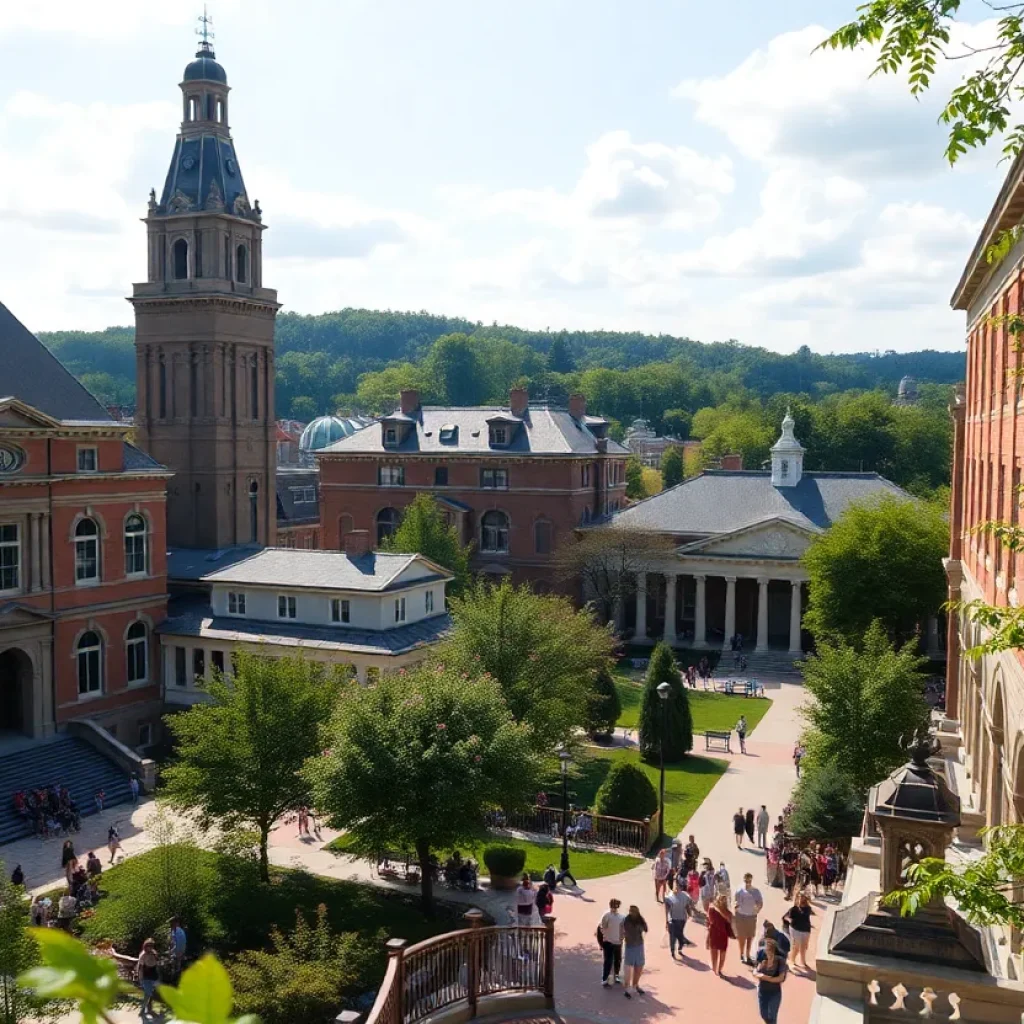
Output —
<point x="605" y="704"/>
<point x="424" y="530"/>
<point x="672" y="466"/>
<point x="880" y="560"/>
<point x="238" y="756"/>
<point x="678" y="720"/>
<point x="415" y="761"/>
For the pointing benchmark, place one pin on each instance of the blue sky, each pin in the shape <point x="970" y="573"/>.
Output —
<point x="682" y="167"/>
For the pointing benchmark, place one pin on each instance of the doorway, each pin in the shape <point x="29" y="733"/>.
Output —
<point x="15" y="692"/>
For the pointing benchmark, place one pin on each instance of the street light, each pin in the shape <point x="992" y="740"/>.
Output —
<point x="564" y="758"/>
<point x="663" y="692"/>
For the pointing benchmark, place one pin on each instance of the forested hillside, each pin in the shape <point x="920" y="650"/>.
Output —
<point x="730" y="395"/>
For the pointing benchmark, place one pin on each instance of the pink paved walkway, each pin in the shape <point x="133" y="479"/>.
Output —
<point x="765" y="775"/>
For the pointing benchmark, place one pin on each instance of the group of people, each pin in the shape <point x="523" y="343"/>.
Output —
<point x="744" y="823"/>
<point x="817" y="866"/>
<point x="702" y="671"/>
<point x="51" y="811"/>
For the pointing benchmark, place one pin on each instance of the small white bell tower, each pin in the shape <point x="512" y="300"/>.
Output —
<point x="787" y="456"/>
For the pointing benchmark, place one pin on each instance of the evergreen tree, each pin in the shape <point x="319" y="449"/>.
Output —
<point x="635" y="479"/>
<point x="626" y="793"/>
<point x="678" y="719"/>
<point x="826" y="806"/>
<point x="424" y="531"/>
<point x="605" y="705"/>
<point x="560" y="358"/>
<point x="672" y="466"/>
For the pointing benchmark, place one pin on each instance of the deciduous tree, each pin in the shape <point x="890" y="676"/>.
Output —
<point x="239" y="756"/>
<point x="672" y="466"/>
<point x="415" y="761"/>
<point x="635" y="488"/>
<point x="424" y="531"/>
<point x="678" y="720"/>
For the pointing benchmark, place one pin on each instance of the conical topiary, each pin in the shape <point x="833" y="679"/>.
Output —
<point x="626" y="793"/>
<point x="605" y="705"/>
<point x="678" y="720"/>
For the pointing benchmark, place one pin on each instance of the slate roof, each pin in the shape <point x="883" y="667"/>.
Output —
<point x="194" y="618"/>
<point x="33" y="374"/>
<point x="135" y="460"/>
<point x="201" y="163"/>
<point x="373" y="572"/>
<point x="194" y="563"/>
<point x="544" y="431"/>
<point x="722" y="501"/>
<point x="290" y="512"/>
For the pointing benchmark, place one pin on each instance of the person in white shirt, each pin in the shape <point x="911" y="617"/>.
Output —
<point x="526" y="898"/>
<point x="749" y="903"/>
<point x="609" y="938"/>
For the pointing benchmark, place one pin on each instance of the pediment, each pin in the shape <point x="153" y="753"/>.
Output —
<point x="16" y="413"/>
<point x="13" y="614"/>
<point x="777" y="537"/>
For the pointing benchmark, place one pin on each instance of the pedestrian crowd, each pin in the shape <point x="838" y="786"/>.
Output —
<point x="53" y="811"/>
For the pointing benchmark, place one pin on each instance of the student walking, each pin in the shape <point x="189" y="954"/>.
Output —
<point x="147" y="973"/>
<point x="133" y="785"/>
<point x="707" y="885"/>
<point x="748" y="824"/>
<point x="661" y="868"/>
<point x="609" y="938"/>
<point x="179" y="942"/>
<point x="113" y="841"/>
<point x="798" y="756"/>
<point x="770" y="972"/>
<point x="763" y="820"/>
<point x="741" y="732"/>
<point x="633" y="929"/>
<point x="525" y="899"/>
<point x="749" y="903"/>
<point x="798" y="917"/>
<point x="719" y="932"/>
<point x="678" y="907"/>
<point x="739" y="826"/>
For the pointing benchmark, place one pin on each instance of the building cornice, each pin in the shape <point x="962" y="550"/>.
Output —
<point x="199" y="301"/>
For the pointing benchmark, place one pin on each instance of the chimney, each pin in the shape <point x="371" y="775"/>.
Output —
<point x="734" y="461"/>
<point x="357" y="543"/>
<point x="410" y="400"/>
<point x="577" y="406"/>
<point x="518" y="401"/>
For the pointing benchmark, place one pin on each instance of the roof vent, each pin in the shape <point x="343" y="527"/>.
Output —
<point x="476" y="433"/>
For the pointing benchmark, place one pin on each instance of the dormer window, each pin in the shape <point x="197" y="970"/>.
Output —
<point x="499" y="436"/>
<point x="391" y="435"/>
<point x="449" y="434"/>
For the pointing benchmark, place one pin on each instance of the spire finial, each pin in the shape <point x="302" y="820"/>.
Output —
<point x="205" y="33"/>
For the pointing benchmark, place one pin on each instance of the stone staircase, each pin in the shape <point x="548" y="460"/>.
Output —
<point x="66" y="761"/>
<point x="769" y="664"/>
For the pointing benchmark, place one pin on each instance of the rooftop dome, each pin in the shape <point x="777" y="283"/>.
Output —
<point x="908" y="386"/>
<point x="325" y="430"/>
<point x="205" y="68"/>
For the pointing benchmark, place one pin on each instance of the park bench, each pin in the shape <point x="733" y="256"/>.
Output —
<point x="718" y="741"/>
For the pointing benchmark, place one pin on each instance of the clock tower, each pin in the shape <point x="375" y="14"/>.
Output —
<point x="204" y="332"/>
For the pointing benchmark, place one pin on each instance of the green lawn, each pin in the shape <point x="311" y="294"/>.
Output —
<point x="585" y="863"/>
<point x="718" y="712"/>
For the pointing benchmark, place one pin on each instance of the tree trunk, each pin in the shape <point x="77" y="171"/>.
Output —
<point x="264" y="858"/>
<point x="426" y="877"/>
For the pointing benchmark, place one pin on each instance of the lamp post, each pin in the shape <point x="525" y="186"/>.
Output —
<point x="564" y="759"/>
<point x="663" y="692"/>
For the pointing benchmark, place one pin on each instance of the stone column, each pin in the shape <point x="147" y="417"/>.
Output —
<point x="35" y="551"/>
<point x="762" y="614"/>
<point x="42" y="695"/>
<point x="669" y="635"/>
<point x="730" y="610"/>
<point x="795" y="616"/>
<point x="641" y="606"/>
<point x="44" y="538"/>
<point x="700" y="613"/>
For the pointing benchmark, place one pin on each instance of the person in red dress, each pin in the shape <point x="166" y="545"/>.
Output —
<point x="719" y="932"/>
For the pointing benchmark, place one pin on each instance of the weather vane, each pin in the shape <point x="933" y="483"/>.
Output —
<point x="206" y="23"/>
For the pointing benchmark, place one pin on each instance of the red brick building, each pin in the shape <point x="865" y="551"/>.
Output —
<point x="82" y="554"/>
<point x="515" y="481"/>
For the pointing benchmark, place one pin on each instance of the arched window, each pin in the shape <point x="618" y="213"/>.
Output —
<point x="494" y="532"/>
<point x="179" y="254"/>
<point x="254" y="515"/>
<point x="193" y="108"/>
<point x="241" y="264"/>
<point x="220" y="111"/>
<point x="134" y="545"/>
<point x="90" y="663"/>
<point x="87" y="552"/>
<point x="162" y="371"/>
<point x="542" y="537"/>
<point x="136" y="653"/>
<point x="387" y="523"/>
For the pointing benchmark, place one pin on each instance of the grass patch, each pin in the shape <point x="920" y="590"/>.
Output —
<point x="717" y="712"/>
<point x="585" y="863"/>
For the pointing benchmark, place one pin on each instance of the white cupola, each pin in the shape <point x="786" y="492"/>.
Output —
<point x="787" y="456"/>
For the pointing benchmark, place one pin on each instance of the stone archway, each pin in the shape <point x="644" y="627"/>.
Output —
<point x="16" y="689"/>
<point x="994" y="815"/>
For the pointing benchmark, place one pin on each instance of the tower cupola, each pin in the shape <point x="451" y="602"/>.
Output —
<point x="787" y="456"/>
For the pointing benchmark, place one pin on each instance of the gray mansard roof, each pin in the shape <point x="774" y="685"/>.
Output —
<point x="721" y="501"/>
<point x="544" y="431"/>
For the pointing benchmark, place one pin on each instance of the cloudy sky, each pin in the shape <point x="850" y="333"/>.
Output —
<point x="665" y="165"/>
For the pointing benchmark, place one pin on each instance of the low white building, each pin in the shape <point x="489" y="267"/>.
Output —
<point x="370" y="610"/>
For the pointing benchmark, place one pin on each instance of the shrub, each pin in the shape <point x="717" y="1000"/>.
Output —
<point x="505" y="861"/>
<point x="627" y="793"/>
<point x="826" y="806"/>
<point x="605" y="705"/>
<point x="678" y="719"/>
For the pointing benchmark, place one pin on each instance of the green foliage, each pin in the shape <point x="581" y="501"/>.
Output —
<point x="542" y="652"/>
<point x="626" y="793"/>
<point x="881" y="559"/>
<point x="203" y="994"/>
<point x="635" y="488"/>
<point x="868" y="701"/>
<point x="605" y="705"/>
<point x="424" y="530"/>
<point x="306" y="974"/>
<point x="678" y="721"/>
<point x="416" y="760"/>
<point x="261" y="727"/>
<point x="560" y="358"/>
<point x="826" y="806"/>
<point x="454" y="370"/>
<point x="506" y="861"/>
<point x="18" y="953"/>
<point x="672" y="466"/>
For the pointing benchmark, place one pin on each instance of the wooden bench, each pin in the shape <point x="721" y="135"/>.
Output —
<point x="718" y="741"/>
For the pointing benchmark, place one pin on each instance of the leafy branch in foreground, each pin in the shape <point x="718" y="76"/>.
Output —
<point x="983" y="889"/>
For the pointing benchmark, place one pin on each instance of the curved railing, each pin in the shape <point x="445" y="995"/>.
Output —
<point x="461" y="967"/>
<point x="584" y="830"/>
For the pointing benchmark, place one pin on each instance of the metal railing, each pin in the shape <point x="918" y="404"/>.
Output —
<point x="463" y="966"/>
<point x="585" y="829"/>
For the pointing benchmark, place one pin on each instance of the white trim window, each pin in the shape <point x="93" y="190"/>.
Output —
<point x="90" y="663"/>
<point x="236" y="603"/>
<point x="428" y="602"/>
<point x="341" y="610"/>
<point x="135" y="545"/>
<point x="10" y="556"/>
<point x="137" y="653"/>
<point x="87" y="552"/>
<point x="286" y="608"/>
<point x="391" y="476"/>
<point x="494" y="479"/>
<point x="88" y="460"/>
<point x="399" y="609"/>
<point x="494" y="532"/>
